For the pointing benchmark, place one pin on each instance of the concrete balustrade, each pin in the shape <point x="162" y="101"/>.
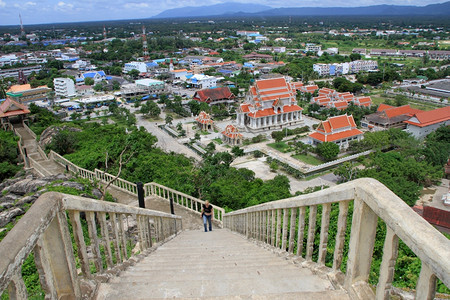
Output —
<point x="281" y="224"/>
<point x="150" y="189"/>
<point x="44" y="231"/>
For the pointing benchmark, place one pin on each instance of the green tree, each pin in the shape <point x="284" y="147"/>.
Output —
<point x="278" y="136"/>
<point x="98" y="87"/>
<point x="237" y="151"/>
<point x="169" y="119"/>
<point x="134" y="73"/>
<point x="89" y="81"/>
<point x="64" y="142"/>
<point x="328" y="150"/>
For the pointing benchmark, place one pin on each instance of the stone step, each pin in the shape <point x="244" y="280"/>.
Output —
<point x="216" y="265"/>
<point x="211" y="288"/>
<point x="211" y="274"/>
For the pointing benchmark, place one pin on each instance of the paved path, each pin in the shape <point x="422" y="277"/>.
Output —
<point x="216" y="265"/>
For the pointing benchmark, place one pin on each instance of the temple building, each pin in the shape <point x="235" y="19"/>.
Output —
<point x="269" y="104"/>
<point x="204" y="121"/>
<point x="215" y="96"/>
<point x="340" y="130"/>
<point x="12" y="112"/>
<point x="232" y="136"/>
<point x="25" y="94"/>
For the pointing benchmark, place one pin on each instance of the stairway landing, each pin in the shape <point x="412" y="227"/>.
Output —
<point x="216" y="265"/>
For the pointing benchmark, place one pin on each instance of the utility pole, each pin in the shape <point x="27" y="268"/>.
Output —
<point x="22" y="30"/>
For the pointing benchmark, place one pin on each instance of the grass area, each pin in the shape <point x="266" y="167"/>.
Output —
<point x="218" y="141"/>
<point x="280" y="146"/>
<point x="308" y="159"/>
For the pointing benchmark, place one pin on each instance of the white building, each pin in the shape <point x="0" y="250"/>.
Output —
<point x="345" y="68"/>
<point x="423" y="123"/>
<point x="64" y="87"/>
<point x="363" y="65"/>
<point x="135" y="65"/>
<point x="203" y="81"/>
<point x="313" y="48"/>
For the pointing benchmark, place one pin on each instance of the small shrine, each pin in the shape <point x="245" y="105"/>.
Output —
<point x="232" y="136"/>
<point x="12" y="112"/>
<point x="204" y="121"/>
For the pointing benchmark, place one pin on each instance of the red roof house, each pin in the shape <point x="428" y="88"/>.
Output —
<point x="204" y="121"/>
<point x="11" y="110"/>
<point x="424" y="122"/>
<point x="215" y="95"/>
<point x="231" y="135"/>
<point x="340" y="130"/>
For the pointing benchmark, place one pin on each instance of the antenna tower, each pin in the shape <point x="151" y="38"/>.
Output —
<point x="144" y="44"/>
<point x="104" y="32"/>
<point x="22" y="30"/>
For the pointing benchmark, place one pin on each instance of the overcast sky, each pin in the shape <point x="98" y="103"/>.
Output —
<point x="52" y="11"/>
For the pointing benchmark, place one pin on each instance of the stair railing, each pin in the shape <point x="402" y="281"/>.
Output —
<point x="151" y="189"/>
<point x="289" y="226"/>
<point x="78" y="243"/>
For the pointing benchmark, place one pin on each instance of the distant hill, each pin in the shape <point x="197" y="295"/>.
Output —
<point x="374" y="10"/>
<point x="227" y="8"/>
<point x="242" y="9"/>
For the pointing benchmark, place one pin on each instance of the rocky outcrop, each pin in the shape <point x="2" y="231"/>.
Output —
<point x="17" y="194"/>
<point x="48" y="134"/>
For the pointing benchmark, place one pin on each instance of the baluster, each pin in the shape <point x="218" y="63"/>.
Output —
<point x="161" y="223"/>
<point x="105" y="234"/>
<point x="268" y="215"/>
<point x="277" y="242"/>
<point x="387" y="268"/>
<point x="362" y="239"/>
<point x="141" y="233"/>
<point x="123" y="238"/>
<point x="272" y="233"/>
<point x="263" y="227"/>
<point x="79" y="240"/>
<point x="426" y="285"/>
<point x="92" y="228"/>
<point x="116" y="238"/>
<point x="44" y="269"/>
<point x="16" y="288"/>
<point x="340" y="235"/>
<point x="196" y="205"/>
<point x="149" y="231"/>
<point x="192" y="204"/>
<point x="326" y="208"/>
<point x="311" y="231"/>
<point x="285" y="228"/>
<point x="301" y="230"/>
<point x="292" y="229"/>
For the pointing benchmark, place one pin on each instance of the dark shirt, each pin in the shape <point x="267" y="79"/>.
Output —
<point x="207" y="209"/>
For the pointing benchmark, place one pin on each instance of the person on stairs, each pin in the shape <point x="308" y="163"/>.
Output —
<point x="207" y="212"/>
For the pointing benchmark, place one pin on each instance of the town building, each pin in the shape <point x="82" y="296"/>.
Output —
<point x="388" y="116"/>
<point x="269" y="104"/>
<point x="25" y="94"/>
<point x="204" y="121"/>
<point x="423" y="123"/>
<point x="98" y="77"/>
<point x="215" y="96"/>
<point x="340" y="130"/>
<point x="329" y="98"/>
<point x="257" y="56"/>
<point x="84" y="90"/>
<point x="64" y="87"/>
<point x="312" y="48"/>
<point x="14" y="72"/>
<point x="201" y="81"/>
<point x="142" y="88"/>
<point x="135" y="65"/>
<point x="345" y="68"/>
<point x="231" y="136"/>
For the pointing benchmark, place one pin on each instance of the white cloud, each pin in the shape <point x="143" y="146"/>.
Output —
<point x="63" y="6"/>
<point x="2" y="3"/>
<point x="136" y="5"/>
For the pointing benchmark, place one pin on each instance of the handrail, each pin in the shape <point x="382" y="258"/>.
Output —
<point x="275" y="223"/>
<point x="44" y="231"/>
<point x="150" y="189"/>
<point x="182" y="199"/>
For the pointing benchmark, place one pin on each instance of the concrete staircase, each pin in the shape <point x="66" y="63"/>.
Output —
<point x="216" y="265"/>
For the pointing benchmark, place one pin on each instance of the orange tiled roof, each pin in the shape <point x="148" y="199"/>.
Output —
<point x="383" y="107"/>
<point x="231" y="132"/>
<point x="271" y="83"/>
<point x="19" y="88"/>
<point x="204" y="118"/>
<point x="335" y="136"/>
<point x="340" y="104"/>
<point x="401" y="110"/>
<point x="426" y="118"/>
<point x="291" y="108"/>
<point x="10" y="108"/>
<point x="337" y="122"/>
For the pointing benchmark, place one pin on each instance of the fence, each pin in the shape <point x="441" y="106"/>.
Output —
<point x="98" y="227"/>
<point x="150" y="189"/>
<point x="282" y="224"/>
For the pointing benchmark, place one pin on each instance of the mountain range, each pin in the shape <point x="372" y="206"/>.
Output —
<point x="245" y="9"/>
